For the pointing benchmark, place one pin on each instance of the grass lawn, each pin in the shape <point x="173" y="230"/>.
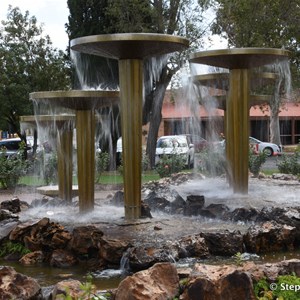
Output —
<point x="105" y="178"/>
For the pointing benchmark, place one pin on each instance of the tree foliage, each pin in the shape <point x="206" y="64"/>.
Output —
<point x="174" y="17"/>
<point x="28" y="63"/>
<point x="256" y="23"/>
<point x="267" y="23"/>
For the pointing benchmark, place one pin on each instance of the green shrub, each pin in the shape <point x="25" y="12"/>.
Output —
<point x="145" y="163"/>
<point x="256" y="161"/>
<point x="102" y="163"/>
<point x="9" y="247"/>
<point x="212" y="163"/>
<point x="282" y="289"/>
<point x="170" y="164"/>
<point x="12" y="168"/>
<point x="290" y="164"/>
<point x="50" y="171"/>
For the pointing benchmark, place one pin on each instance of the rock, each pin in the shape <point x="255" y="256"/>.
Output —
<point x="143" y="257"/>
<point x="192" y="246"/>
<point x="217" y="210"/>
<point x="112" y="250"/>
<point x="14" y="285"/>
<point x="62" y="259"/>
<point x="6" y="215"/>
<point x="70" y="286"/>
<point x="194" y="204"/>
<point x="41" y="235"/>
<point x="286" y="177"/>
<point x="6" y="227"/>
<point x="32" y="258"/>
<point x="244" y="214"/>
<point x="225" y="243"/>
<point x="156" y="202"/>
<point x="160" y="282"/>
<point x="13" y="205"/>
<point x="118" y="199"/>
<point x="218" y="283"/>
<point x="177" y="206"/>
<point x="268" y="237"/>
<point x="145" y="211"/>
<point x="86" y="240"/>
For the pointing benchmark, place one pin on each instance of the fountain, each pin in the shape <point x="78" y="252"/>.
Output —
<point x="63" y="126"/>
<point x="84" y="103"/>
<point x="239" y="62"/>
<point x="130" y="49"/>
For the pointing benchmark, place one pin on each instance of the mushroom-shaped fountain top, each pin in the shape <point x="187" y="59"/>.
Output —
<point x="239" y="58"/>
<point x="78" y="99"/>
<point x="129" y="45"/>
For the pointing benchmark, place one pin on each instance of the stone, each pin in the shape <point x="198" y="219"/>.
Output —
<point x="85" y="240"/>
<point x="118" y="199"/>
<point x="156" y="202"/>
<point x="6" y="215"/>
<point x="268" y="237"/>
<point x="145" y="210"/>
<point x="224" y="243"/>
<point x="217" y="210"/>
<point x="13" y="205"/>
<point x="14" y="285"/>
<point x="244" y="214"/>
<point x="143" y="257"/>
<point x="62" y="259"/>
<point x="70" y="286"/>
<point x="210" y="282"/>
<point x="32" y="258"/>
<point x="177" y="206"/>
<point x="111" y="250"/>
<point x="159" y="282"/>
<point x="192" y="246"/>
<point x="194" y="204"/>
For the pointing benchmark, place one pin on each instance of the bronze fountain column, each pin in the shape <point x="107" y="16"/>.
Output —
<point x="63" y="125"/>
<point x="130" y="49"/>
<point x="84" y="103"/>
<point x="239" y="61"/>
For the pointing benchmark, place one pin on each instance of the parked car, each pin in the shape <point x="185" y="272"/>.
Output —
<point x="269" y="149"/>
<point x="200" y="144"/>
<point x="11" y="146"/>
<point x="258" y="146"/>
<point x="175" y="144"/>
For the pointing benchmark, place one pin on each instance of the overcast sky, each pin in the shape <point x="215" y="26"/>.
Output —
<point x="52" y="13"/>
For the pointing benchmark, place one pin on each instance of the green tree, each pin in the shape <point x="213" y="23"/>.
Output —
<point x="28" y="63"/>
<point x="178" y="17"/>
<point x="257" y="23"/>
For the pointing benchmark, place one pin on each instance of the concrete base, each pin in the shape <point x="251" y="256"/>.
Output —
<point x="52" y="190"/>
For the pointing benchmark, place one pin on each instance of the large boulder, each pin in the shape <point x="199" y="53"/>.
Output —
<point x="268" y="237"/>
<point x="224" y="243"/>
<point x="86" y="240"/>
<point x="14" y="285"/>
<point x="41" y="235"/>
<point x="61" y="258"/>
<point x="143" y="257"/>
<point x="112" y="250"/>
<point x="208" y="282"/>
<point x="160" y="282"/>
<point x="192" y="246"/>
<point x="194" y="205"/>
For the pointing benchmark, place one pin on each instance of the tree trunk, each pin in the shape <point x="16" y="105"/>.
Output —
<point x="155" y="120"/>
<point x="274" y="127"/>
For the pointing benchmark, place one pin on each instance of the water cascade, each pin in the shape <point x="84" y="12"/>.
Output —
<point x="130" y="49"/>
<point x="63" y="126"/>
<point x="84" y="103"/>
<point x="239" y="62"/>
